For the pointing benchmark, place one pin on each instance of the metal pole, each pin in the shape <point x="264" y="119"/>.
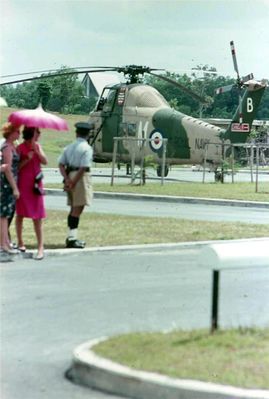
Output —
<point x="232" y="164"/>
<point x="215" y="301"/>
<point x="142" y="164"/>
<point x="251" y="162"/>
<point x="163" y="160"/>
<point x="132" y="166"/>
<point x="205" y="156"/>
<point x="115" y="149"/>
<point x="257" y="166"/>
<point x="222" y="164"/>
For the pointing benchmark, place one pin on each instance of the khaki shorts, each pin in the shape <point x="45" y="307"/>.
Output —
<point x="82" y="193"/>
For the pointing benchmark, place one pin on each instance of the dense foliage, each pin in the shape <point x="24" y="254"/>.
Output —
<point x="221" y="105"/>
<point x="66" y="94"/>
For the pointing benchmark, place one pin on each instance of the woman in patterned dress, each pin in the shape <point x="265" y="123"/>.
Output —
<point x="31" y="201"/>
<point x="9" y="191"/>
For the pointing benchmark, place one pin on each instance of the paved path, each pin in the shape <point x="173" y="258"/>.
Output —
<point x="50" y="307"/>
<point x="102" y="175"/>
<point x="163" y="209"/>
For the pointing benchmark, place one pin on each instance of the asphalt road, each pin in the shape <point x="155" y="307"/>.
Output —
<point x="163" y="209"/>
<point x="50" y="307"/>
<point x="103" y="175"/>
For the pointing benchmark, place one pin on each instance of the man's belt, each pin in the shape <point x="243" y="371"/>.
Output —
<point x="73" y="169"/>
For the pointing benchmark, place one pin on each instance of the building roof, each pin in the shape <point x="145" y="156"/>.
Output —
<point x="101" y="79"/>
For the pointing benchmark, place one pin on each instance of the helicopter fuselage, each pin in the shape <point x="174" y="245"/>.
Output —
<point x="137" y="111"/>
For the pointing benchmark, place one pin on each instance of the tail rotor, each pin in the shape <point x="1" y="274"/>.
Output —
<point x="240" y="82"/>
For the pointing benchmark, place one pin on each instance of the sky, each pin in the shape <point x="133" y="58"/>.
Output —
<point x="174" y="35"/>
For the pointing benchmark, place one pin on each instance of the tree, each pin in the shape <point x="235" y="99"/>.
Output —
<point x="44" y="93"/>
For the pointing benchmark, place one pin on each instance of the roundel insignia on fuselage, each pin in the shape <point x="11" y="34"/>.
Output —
<point x="156" y="140"/>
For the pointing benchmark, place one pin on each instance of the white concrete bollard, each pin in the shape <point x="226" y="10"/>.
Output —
<point x="232" y="255"/>
<point x="237" y="254"/>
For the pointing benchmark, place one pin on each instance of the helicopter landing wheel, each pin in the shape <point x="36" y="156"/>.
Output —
<point x="159" y="170"/>
<point x="218" y="176"/>
<point x="128" y="169"/>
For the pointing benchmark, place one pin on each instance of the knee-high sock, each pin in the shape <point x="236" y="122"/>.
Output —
<point x="72" y="222"/>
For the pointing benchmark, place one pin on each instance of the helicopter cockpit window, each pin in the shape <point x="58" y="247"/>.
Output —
<point x="107" y="100"/>
<point x="131" y="129"/>
<point x="128" y="129"/>
<point x="123" y="129"/>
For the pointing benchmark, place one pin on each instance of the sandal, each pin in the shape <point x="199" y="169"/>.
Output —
<point x="10" y="251"/>
<point x="22" y="248"/>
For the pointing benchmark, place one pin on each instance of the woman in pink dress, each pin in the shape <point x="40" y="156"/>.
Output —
<point x="31" y="201"/>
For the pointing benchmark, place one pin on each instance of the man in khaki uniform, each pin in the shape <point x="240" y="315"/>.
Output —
<point x="75" y="165"/>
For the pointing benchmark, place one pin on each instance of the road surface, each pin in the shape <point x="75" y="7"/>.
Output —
<point x="103" y="175"/>
<point x="50" y="307"/>
<point x="163" y="209"/>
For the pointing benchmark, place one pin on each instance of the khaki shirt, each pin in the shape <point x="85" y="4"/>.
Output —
<point x="77" y="154"/>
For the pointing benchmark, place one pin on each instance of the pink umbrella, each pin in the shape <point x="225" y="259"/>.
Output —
<point x="37" y="118"/>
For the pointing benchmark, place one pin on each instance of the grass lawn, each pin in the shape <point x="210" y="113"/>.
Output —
<point x="233" y="357"/>
<point x="104" y="230"/>
<point x="239" y="191"/>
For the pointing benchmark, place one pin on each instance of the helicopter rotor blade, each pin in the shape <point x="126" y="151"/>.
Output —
<point x="53" y="75"/>
<point x="182" y="87"/>
<point x="234" y="59"/>
<point x="248" y="77"/>
<point x="224" y="89"/>
<point x="55" y="71"/>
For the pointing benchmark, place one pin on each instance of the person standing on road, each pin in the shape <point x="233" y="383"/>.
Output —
<point x="74" y="164"/>
<point x="31" y="202"/>
<point x="9" y="191"/>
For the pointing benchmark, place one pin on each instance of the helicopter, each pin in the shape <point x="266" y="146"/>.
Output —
<point x="135" y="112"/>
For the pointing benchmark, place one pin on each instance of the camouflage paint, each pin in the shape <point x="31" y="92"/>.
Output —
<point x="138" y="110"/>
<point x="250" y="102"/>
<point x="112" y="116"/>
<point x="169" y="123"/>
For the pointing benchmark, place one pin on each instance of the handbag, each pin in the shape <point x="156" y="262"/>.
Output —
<point x="38" y="190"/>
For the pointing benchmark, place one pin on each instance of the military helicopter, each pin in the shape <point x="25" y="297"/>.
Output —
<point x="134" y="110"/>
<point x="140" y="111"/>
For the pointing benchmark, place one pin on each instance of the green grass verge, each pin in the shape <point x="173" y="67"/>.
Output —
<point x="104" y="230"/>
<point x="238" y="191"/>
<point x="234" y="357"/>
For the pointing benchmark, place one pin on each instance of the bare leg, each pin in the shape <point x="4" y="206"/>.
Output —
<point x="9" y="220"/>
<point x="39" y="235"/>
<point x="76" y="210"/>
<point x="19" y="228"/>
<point x="4" y="240"/>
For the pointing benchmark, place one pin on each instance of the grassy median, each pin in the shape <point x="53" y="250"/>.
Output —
<point x="233" y="357"/>
<point x="103" y="230"/>
<point x="236" y="191"/>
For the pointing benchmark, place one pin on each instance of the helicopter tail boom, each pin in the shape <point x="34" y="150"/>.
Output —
<point x="242" y="120"/>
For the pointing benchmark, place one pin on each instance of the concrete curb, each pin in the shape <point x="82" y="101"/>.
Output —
<point x="182" y="245"/>
<point x="83" y="251"/>
<point x="137" y="247"/>
<point x="99" y="373"/>
<point x="169" y="199"/>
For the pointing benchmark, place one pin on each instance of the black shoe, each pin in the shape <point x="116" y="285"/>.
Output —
<point x="74" y="243"/>
<point x="81" y="242"/>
